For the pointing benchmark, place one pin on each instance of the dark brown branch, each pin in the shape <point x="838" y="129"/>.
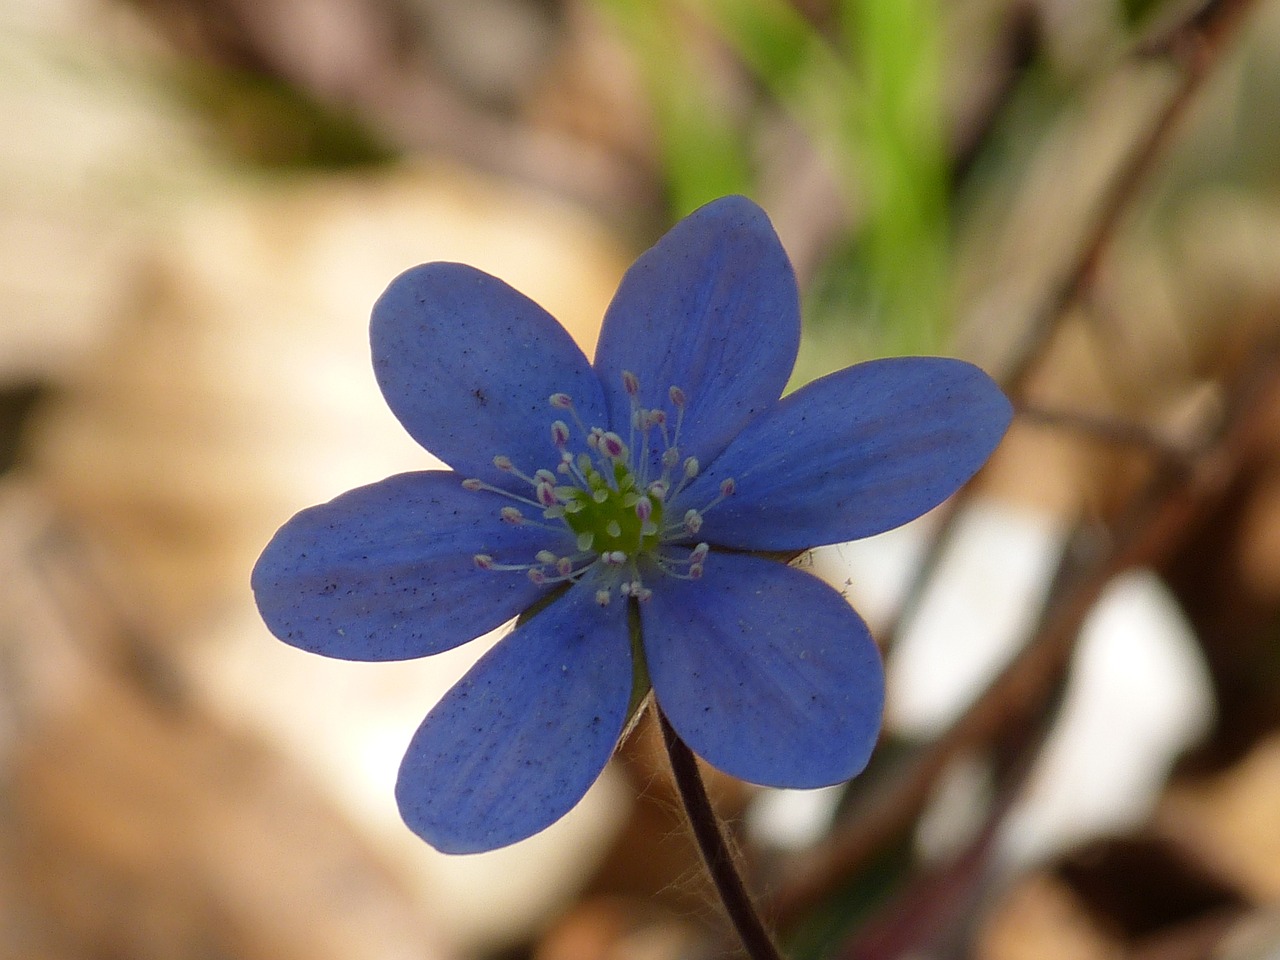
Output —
<point x="1109" y="430"/>
<point x="1196" y="45"/>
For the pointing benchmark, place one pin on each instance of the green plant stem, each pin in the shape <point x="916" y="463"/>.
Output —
<point x="756" y="940"/>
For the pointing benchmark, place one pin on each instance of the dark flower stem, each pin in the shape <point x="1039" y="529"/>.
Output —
<point x="756" y="940"/>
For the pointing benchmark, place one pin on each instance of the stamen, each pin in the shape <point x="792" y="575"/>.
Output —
<point x="630" y="383"/>
<point x="644" y="509"/>
<point x="512" y="515"/>
<point x="612" y="447"/>
<point x="475" y="485"/>
<point x="602" y="597"/>
<point x="560" y="433"/>
<point x="503" y="463"/>
<point x="694" y="564"/>
<point x="561" y="401"/>
<point x="692" y="521"/>
<point x="727" y="488"/>
<point x="546" y="493"/>
<point x="483" y="561"/>
<point x="678" y="398"/>
<point x="545" y="556"/>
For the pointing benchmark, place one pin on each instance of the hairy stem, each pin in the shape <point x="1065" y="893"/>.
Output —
<point x="756" y="940"/>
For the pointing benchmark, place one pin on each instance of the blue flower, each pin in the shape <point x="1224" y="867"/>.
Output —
<point x="635" y="497"/>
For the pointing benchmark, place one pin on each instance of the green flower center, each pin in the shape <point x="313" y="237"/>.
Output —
<point x="605" y="517"/>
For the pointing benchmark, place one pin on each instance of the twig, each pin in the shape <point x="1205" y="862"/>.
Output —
<point x="1109" y="430"/>
<point x="1197" y="44"/>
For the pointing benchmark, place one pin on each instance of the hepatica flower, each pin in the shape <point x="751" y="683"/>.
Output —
<point x="632" y="509"/>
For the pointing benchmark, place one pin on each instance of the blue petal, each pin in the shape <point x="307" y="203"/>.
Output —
<point x="713" y="309"/>
<point x="765" y="671"/>
<point x="853" y="454"/>
<point x="386" y="572"/>
<point x="467" y="364"/>
<point x="517" y="742"/>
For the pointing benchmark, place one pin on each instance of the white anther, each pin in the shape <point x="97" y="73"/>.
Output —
<point x="670" y="457"/>
<point x="727" y="486"/>
<point x="559" y="433"/>
<point x="641" y="593"/>
<point x="546" y="493"/>
<point x="658" y="489"/>
<point x="614" y="558"/>
<point x="644" y="508"/>
<point x="561" y="401"/>
<point x="695" y="571"/>
<point x="512" y="515"/>
<point x="503" y="463"/>
<point x="472" y="484"/>
<point x="699" y="553"/>
<point x="692" y="521"/>
<point x="611" y="446"/>
<point x="545" y="556"/>
<point x="676" y="395"/>
<point x="691" y="467"/>
<point x="630" y="383"/>
<point x="483" y="561"/>
<point x="537" y="576"/>
<point x="602" y="597"/>
<point x="564" y="566"/>
<point x="545" y="476"/>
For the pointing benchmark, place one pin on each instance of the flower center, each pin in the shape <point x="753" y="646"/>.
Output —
<point x="610" y="511"/>
<point x="602" y="503"/>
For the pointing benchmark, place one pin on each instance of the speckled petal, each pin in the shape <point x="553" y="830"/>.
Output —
<point x="467" y="364"/>
<point x="713" y="309"/>
<point x="853" y="454"/>
<point x="386" y="572"/>
<point x="765" y="671"/>
<point x="519" y="740"/>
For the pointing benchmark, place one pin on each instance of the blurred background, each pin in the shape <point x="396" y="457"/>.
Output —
<point x="201" y="199"/>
